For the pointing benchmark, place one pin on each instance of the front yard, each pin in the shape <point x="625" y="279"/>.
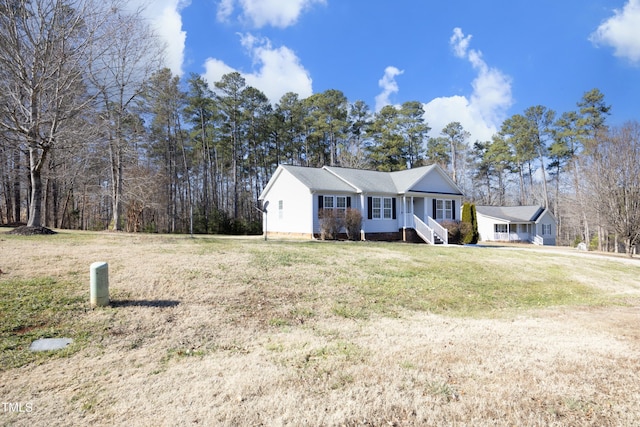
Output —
<point x="239" y="331"/>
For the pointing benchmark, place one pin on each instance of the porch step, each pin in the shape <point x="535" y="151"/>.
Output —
<point x="437" y="240"/>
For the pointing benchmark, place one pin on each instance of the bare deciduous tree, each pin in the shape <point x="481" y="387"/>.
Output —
<point x="614" y="180"/>
<point x="127" y="54"/>
<point x="44" y="50"/>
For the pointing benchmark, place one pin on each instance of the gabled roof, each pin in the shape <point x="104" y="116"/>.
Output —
<point x="365" y="181"/>
<point x="406" y="179"/>
<point x="512" y="213"/>
<point x="319" y="179"/>
<point x="346" y="180"/>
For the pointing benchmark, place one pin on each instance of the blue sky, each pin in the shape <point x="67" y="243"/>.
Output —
<point x="465" y="60"/>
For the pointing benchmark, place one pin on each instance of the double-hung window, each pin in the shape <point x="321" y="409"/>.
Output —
<point x="387" y="208"/>
<point x="381" y="208"/>
<point x="546" y="229"/>
<point x="444" y="209"/>
<point x="328" y="202"/>
<point x="338" y="204"/>
<point x="376" y="203"/>
<point x="341" y="206"/>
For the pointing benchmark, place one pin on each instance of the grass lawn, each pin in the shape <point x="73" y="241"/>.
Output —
<point x="239" y="331"/>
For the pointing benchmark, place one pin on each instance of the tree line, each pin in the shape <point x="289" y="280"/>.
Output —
<point x="96" y="134"/>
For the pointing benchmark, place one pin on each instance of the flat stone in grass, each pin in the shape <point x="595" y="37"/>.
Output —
<point x="49" y="344"/>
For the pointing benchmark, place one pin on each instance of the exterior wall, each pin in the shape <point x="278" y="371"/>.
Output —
<point x="456" y="199"/>
<point x="525" y="232"/>
<point x="381" y="225"/>
<point x="486" y="227"/>
<point x="420" y="208"/>
<point x="355" y="204"/>
<point x="296" y="214"/>
<point x="516" y="232"/>
<point x="434" y="182"/>
<point x="547" y="218"/>
<point x="283" y="235"/>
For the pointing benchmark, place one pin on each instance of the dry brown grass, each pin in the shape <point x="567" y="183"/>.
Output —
<point x="218" y="331"/>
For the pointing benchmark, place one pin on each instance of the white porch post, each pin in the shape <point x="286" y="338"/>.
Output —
<point x="404" y="207"/>
<point x="425" y="209"/>
<point x="412" y="212"/>
<point x="404" y="219"/>
<point x="363" y="213"/>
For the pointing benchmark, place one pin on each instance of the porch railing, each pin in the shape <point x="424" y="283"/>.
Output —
<point x="409" y="220"/>
<point x="439" y="230"/>
<point x="423" y="230"/>
<point x="538" y="240"/>
<point x="511" y="237"/>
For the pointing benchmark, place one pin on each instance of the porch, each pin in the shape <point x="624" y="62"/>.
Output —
<point x="429" y="230"/>
<point x="418" y="215"/>
<point x="518" y="233"/>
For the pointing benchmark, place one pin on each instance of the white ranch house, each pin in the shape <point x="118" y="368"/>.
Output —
<point x="394" y="205"/>
<point x="533" y="224"/>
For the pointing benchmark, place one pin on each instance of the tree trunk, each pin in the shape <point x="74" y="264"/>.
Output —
<point x="544" y="181"/>
<point x="454" y="161"/>
<point x="35" y="206"/>
<point x="521" y="178"/>
<point x="116" y="183"/>
<point x="16" y="185"/>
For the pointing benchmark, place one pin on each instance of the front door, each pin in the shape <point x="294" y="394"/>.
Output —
<point x="419" y="208"/>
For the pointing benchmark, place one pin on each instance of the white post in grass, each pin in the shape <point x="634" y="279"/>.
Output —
<point x="99" y="287"/>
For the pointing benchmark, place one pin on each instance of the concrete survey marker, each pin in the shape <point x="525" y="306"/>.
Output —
<point x="99" y="284"/>
<point x="50" y="344"/>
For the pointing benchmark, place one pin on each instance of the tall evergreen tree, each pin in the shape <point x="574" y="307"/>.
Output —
<point x="288" y="131"/>
<point x="388" y="151"/>
<point x="326" y="123"/>
<point x="359" y="121"/>
<point x="414" y="131"/>
<point x="516" y="131"/>
<point x="201" y="114"/>
<point x="540" y="120"/>
<point x="229" y="98"/>
<point x="438" y="151"/>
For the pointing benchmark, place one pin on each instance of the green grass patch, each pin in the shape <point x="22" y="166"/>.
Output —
<point x="273" y="255"/>
<point x="382" y="278"/>
<point x="38" y="308"/>
<point x="463" y="282"/>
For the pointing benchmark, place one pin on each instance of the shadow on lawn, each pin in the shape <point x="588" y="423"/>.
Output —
<point x="163" y="303"/>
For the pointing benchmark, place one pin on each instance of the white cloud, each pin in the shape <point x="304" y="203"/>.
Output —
<point x="482" y="113"/>
<point x="621" y="32"/>
<point x="389" y="86"/>
<point x="459" y="42"/>
<point x="260" y="13"/>
<point x="225" y="10"/>
<point x="277" y="70"/>
<point x="166" y="21"/>
<point x="215" y="69"/>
